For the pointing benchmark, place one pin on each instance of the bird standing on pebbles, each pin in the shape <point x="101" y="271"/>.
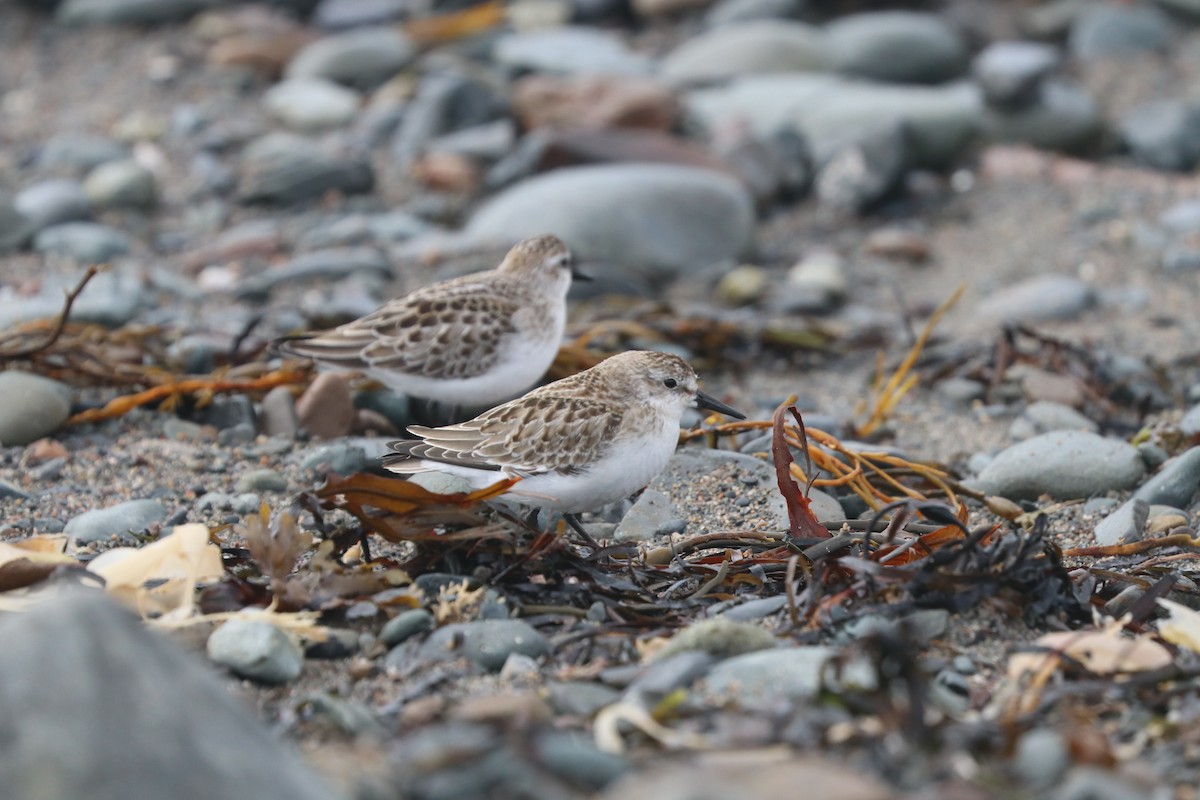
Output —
<point x="470" y="341"/>
<point x="578" y="443"/>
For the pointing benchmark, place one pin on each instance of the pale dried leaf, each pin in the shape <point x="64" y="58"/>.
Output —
<point x="160" y="578"/>
<point x="1182" y="627"/>
<point x="1103" y="652"/>
<point x="607" y="727"/>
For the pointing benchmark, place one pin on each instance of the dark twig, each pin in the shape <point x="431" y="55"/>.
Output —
<point x="60" y="326"/>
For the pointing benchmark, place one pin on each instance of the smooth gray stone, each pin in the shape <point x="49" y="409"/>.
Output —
<point x="1189" y="424"/>
<point x="31" y="407"/>
<point x="570" y="50"/>
<point x="763" y="46"/>
<point x="756" y="609"/>
<point x="1164" y="134"/>
<point x="262" y="480"/>
<point x="1107" y="30"/>
<point x="278" y="415"/>
<point x="286" y="168"/>
<point x="574" y="757"/>
<point x="122" y="184"/>
<point x="16" y="229"/>
<point x="122" y="520"/>
<point x="580" y="698"/>
<point x="405" y="625"/>
<point x="52" y="201"/>
<point x="445" y="102"/>
<point x="342" y="458"/>
<point x="866" y="172"/>
<point x="1044" y="416"/>
<point x="1190" y="8"/>
<point x="1126" y="524"/>
<point x="488" y="643"/>
<point x="138" y="12"/>
<point x="1065" y="465"/>
<point x="900" y="46"/>
<point x="652" y="515"/>
<point x="112" y="299"/>
<point x="344" y="14"/>
<point x="1175" y="483"/>
<point x="1041" y="757"/>
<point x="79" y="151"/>
<point x="829" y="111"/>
<point x="310" y="104"/>
<point x="1063" y="117"/>
<point x="785" y="673"/>
<point x="93" y="704"/>
<point x="1011" y="73"/>
<point x="1095" y="783"/>
<point x="488" y="141"/>
<point x="1037" y="299"/>
<point x="734" y="12"/>
<point x="658" y="219"/>
<point x="257" y="650"/>
<point x="361" y="58"/>
<point x="1182" y="217"/>
<point x="86" y="242"/>
<point x="331" y="263"/>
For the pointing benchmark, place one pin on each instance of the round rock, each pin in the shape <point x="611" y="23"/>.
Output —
<point x="256" y="650"/>
<point x="657" y="219"/>
<point x="1038" y="299"/>
<point x="488" y="643"/>
<point x="406" y="625"/>
<point x="750" y="47"/>
<point x="361" y="58"/>
<point x="570" y="50"/>
<point x="30" y="407"/>
<point x="311" y="103"/>
<point x="52" y="201"/>
<point x="1107" y="30"/>
<point x="1063" y="117"/>
<point x="121" y="184"/>
<point x="122" y="520"/>
<point x="789" y="673"/>
<point x="86" y="242"/>
<point x="1063" y="464"/>
<point x="286" y="168"/>
<point x="901" y="46"/>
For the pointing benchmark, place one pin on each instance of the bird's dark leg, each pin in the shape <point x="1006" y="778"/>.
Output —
<point x="532" y="519"/>
<point x="573" y="521"/>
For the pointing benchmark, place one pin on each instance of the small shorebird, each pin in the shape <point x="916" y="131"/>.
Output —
<point x="578" y="443"/>
<point x="471" y="341"/>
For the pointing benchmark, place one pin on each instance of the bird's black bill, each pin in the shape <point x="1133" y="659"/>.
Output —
<point x="713" y="404"/>
<point x="580" y="275"/>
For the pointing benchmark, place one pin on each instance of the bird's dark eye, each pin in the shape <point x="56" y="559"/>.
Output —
<point x="670" y="383"/>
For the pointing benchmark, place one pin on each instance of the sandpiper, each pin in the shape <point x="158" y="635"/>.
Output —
<point x="577" y="443"/>
<point x="471" y="341"/>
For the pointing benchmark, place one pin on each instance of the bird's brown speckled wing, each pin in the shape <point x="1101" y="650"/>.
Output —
<point x="453" y="332"/>
<point x="537" y="433"/>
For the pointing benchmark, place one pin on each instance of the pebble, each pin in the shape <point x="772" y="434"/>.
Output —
<point x="579" y="698"/>
<point x="667" y="675"/>
<point x="573" y="757"/>
<point x="1176" y="482"/>
<point x="1038" y="299"/>
<point x="262" y="480"/>
<point x="942" y="121"/>
<point x="8" y="491"/>
<point x="122" y="520"/>
<point x="362" y="58"/>
<point x="1044" y="416"/>
<point x="31" y="407"/>
<point x="1063" y="464"/>
<point x="960" y="391"/>
<point x="1011" y="72"/>
<point x="741" y="286"/>
<point x="766" y="46"/>
<point x="128" y="12"/>
<point x="1108" y="30"/>
<point x="256" y="650"/>
<point x="15" y="228"/>
<point x="347" y="14"/>
<point x="1126" y="524"/>
<point x="53" y="201"/>
<point x="309" y="104"/>
<point x="341" y="458"/>
<point x="570" y="50"/>
<point x="286" y="168"/>
<point x="1189" y="423"/>
<point x="405" y="625"/>
<point x="1163" y="134"/>
<point x="595" y="102"/>
<point x="79" y="151"/>
<point x="1063" y="117"/>
<point x="785" y="673"/>
<point x="488" y="643"/>
<point x="734" y="12"/>
<point x="718" y="636"/>
<point x="326" y="409"/>
<point x="899" y="46"/>
<point x="445" y="102"/>
<point x="278" y="415"/>
<point x="122" y="184"/>
<point x="86" y="242"/>
<point x="652" y="515"/>
<point x="866" y="171"/>
<point x="817" y="284"/>
<point x="687" y="217"/>
<point x="331" y="263"/>
<point x="1094" y="783"/>
<point x="229" y="412"/>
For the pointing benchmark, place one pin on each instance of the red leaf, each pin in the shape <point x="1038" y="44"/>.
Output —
<point x="801" y="522"/>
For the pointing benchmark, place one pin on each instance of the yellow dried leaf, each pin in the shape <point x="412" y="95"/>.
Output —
<point x="1182" y="627"/>
<point x="1103" y="652"/>
<point x="160" y="579"/>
